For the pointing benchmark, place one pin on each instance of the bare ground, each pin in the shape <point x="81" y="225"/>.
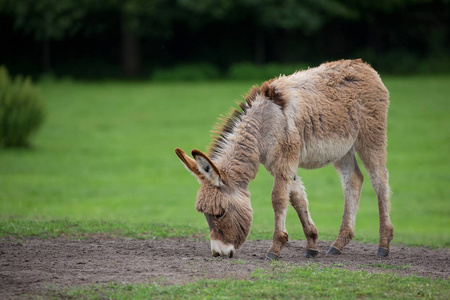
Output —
<point x="27" y="267"/>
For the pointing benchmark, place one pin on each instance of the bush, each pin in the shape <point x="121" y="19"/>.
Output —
<point x="439" y="64"/>
<point x="21" y="110"/>
<point x="402" y="62"/>
<point x="249" y="71"/>
<point x="187" y="72"/>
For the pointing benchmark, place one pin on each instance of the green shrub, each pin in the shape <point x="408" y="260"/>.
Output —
<point x="249" y="71"/>
<point x="187" y="72"/>
<point x="403" y="62"/>
<point x="439" y="64"/>
<point x="21" y="110"/>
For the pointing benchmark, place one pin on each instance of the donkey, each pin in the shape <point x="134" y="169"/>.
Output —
<point x="308" y="119"/>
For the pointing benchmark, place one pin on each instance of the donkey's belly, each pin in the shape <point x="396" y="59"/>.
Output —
<point x="317" y="154"/>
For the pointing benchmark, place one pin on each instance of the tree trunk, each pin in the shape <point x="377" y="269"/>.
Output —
<point x="46" y="64"/>
<point x="131" y="56"/>
<point x="260" y="46"/>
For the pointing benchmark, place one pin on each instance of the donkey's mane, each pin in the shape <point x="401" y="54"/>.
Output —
<point x="227" y="123"/>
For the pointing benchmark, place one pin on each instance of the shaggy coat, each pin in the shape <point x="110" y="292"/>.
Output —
<point x="309" y="119"/>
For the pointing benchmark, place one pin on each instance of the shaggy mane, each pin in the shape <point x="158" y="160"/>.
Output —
<point x="227" y="123"/>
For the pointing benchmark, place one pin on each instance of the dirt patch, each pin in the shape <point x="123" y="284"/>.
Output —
<point x="30" y="265"/>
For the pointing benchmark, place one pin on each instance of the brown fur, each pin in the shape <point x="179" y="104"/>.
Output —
<point x="227" y="123"/>
<point x="308" y="119"/>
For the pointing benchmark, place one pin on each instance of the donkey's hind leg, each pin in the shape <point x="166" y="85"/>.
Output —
<point x="352" y="180"/>
<point x="300" y="203"/>
<point x="375" y="164"/>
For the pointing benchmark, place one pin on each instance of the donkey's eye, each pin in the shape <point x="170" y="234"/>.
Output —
<point x="219" y="216"/>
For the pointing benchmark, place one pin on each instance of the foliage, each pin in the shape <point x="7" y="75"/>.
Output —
<point x="21" y="110"/>
<point x="187" y="72"/>
<point x="48" y="19"/>
<point x="239" y="71"/>
<point x="249" y="71"/>
<point x="59" y="19"/>
<point x="308" y="16"/>
<point x="222" y="32"/>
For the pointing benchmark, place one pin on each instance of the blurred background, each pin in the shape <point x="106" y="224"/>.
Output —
<point x="91" y="39"/>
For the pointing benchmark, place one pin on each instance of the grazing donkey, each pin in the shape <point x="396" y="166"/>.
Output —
<point x="309" y="119"/>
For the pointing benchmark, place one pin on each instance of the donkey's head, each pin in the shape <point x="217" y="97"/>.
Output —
<point x="226" y="206"/>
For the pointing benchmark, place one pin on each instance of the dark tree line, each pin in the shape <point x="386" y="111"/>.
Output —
<point x="76" y="36"/>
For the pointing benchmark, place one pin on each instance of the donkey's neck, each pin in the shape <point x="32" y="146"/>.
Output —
<point x="244" y="146"/>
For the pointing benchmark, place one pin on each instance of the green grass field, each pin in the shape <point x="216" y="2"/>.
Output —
<point x="104" y="162"/>
<point x="106" y="153"/>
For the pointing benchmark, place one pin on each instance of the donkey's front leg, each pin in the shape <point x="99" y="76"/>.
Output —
<point x="280" y="200"/>
<point x="300" y="203"/>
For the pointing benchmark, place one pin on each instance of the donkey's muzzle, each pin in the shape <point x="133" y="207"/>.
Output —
<point x="218" y="248"/>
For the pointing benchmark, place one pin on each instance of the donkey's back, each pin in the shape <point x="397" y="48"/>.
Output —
<point x="335" y="106"/>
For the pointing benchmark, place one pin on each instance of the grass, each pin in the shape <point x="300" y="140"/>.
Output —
<point x="379" y="265"/>
<point x="385" y="266"/>
<point x="281" y="280"/>
<point x="19" y="229"/>
<point x="106" y="153"/>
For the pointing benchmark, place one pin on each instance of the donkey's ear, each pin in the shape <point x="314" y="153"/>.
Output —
<point x="190" y="164"/>
<point x="207" y="167"/>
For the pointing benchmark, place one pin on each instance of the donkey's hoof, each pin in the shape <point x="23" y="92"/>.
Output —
<point x="311" y="253"/>
<point x="271" y="257"/>
<point x="382" y="252"/>
<point x="333" y="251"/>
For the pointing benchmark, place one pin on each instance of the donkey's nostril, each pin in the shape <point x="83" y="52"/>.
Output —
<point x="215" y="254"/>
<point x="231" y="254"/>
